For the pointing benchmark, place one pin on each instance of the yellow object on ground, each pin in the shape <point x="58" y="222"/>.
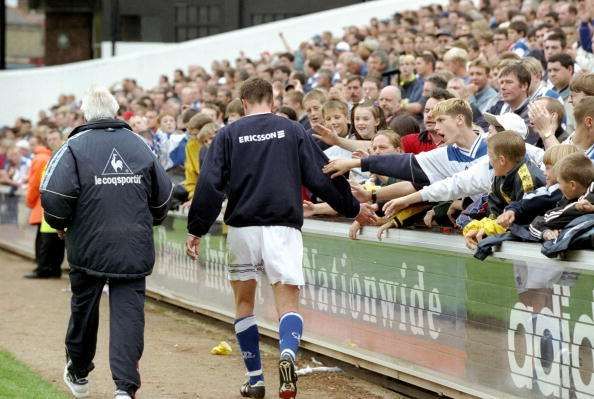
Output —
<point x="223" y="348"/>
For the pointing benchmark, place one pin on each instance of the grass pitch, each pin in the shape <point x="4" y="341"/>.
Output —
<point x="17" y="381"/>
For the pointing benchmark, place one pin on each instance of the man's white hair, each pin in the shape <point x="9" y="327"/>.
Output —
<point x="99" y="103"/>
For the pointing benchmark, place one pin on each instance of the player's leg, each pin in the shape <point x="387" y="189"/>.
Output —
<point x="244" y="260"/>
<point x="290" y="321"/>
<point x="290" y="329"/>
<point x="282" y="253"/>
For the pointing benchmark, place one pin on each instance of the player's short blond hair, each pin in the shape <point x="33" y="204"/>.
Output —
<point x="453" y="107"/>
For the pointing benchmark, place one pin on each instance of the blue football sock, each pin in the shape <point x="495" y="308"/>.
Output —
<point x="289" y="330"/>
<point x="246" y="331"/>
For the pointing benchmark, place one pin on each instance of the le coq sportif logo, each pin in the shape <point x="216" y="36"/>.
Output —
<point x="116" y="165"/>
<point x="117" y="172"/>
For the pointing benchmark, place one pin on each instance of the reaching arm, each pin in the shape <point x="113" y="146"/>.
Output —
<point x="335" y="191"/>
<point x="475" y="180"/>
<point x="331" y="138"/>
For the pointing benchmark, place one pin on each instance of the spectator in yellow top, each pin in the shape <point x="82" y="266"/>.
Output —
<point x="192" y="163"/>
<point x="515" y="175"/>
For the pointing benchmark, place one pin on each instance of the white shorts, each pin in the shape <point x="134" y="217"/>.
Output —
<point x="276" y="250"/>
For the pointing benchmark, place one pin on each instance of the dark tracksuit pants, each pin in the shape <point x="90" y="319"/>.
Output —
<point x="126" y="327"/>
<point x="49" y="253"/>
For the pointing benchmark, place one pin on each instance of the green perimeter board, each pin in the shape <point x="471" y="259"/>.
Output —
<point x="477" y="301"/>
<point x="485" y="290"/>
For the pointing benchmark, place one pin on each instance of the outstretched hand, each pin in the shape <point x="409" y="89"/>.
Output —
<point x="544" y="122"/>
<point x="339" y="167"/>
<point x="360" y="193"/>
<point x="354" y="230"/>
<point x="309" y="209"/>
<point x="367" y="214"/>
<point x="384" y="227"/>
<point x="359" y="154"/>
<point x="473" y="237"/>
<point x="328" y="136"/>
<point x="394" y="206"/>
<point x="193" y="246"/>
<point x="506" y="219"/>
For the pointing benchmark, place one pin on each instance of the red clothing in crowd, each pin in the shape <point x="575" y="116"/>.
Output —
<point x="412" y="143"/>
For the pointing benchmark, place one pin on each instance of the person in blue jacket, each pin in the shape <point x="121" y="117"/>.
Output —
<point x="260" y="163"/>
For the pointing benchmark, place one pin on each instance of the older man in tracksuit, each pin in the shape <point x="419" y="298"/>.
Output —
<point x="106" y="189"/>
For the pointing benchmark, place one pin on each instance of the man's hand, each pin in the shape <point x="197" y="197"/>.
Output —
<point x="456" y="207"/>
<point x="360" y="193"/>
<point x="359" y="154"/>
<point x="544" y="122"/>
<point x="506" y="219"/>
<point x="186" y="205"/>
<point x="585" y="206"/>
<point x="61" y="234"/>
<point x="339" y="167"/>
<point x="394" y="206"/>
<point x="354" y="230"/>
<point x="473" y="237"/>
<point x="309" y="209"/>
<point x="548" y="235"/>
<point x="193" y="246"/>
<point x="325" y="134"/>
<point x="428" y="218"/>
<point x="367" y="214"/>
<point x="380" y="230"/>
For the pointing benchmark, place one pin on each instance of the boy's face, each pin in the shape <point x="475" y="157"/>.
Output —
<point x="421" y="66"/>
<point x="576" y="96"/>
<point x="337" y="121"/>
<point x="550" y="176"/>
<point x="313" y="108"/>
<point x="211" y="113"/>
<point x="448" y="127"/>
<point x="512" y="35"/>
<point x="193" y="132"/>
<point x="478" y="77"/>
<point x="209" y="138"/>
<point x="499" y="164"/>
<point x="571" y="189"/>
<point x="168" y="124"/>
<point x="233" y="116"/>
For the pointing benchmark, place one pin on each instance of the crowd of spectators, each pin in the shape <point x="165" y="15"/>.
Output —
<point x="441" y="115"/>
